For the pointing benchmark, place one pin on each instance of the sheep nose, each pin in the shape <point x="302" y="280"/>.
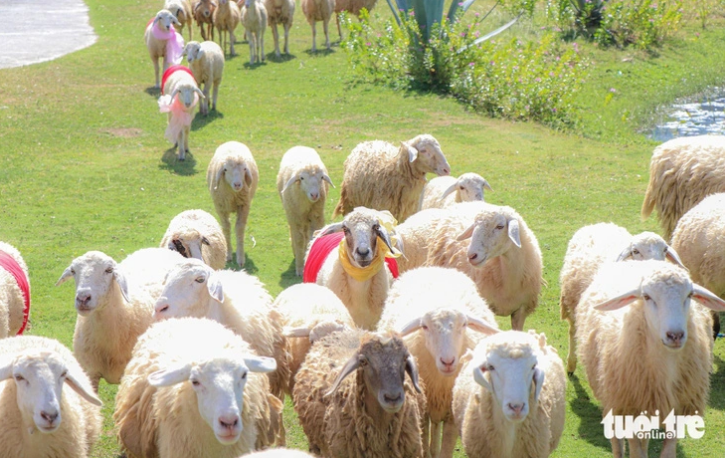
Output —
<point x="50" y="417"/>
<point x="472" y="256"/>
<point x="314" y="196"/>
<point x="392" y="399"/>
<point x="161" y="308"/>
<point x="229" y="421"/>
<point x="446" y="171"/>
<point x="448" y="362"/>
<point x="675" y="337"/>
<point x="237" y="186"/>
<point x="83" y="298"/>
<point x="363" y="251"/>
<point x="516" y="408"/>
<point x="206" y="14"/>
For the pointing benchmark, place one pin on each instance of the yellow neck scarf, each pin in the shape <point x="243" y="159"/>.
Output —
<point x="366" y="273"/>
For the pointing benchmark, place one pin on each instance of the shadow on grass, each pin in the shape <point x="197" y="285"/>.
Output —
<point x="249" y="266"/>
<point x="289" y="277"/>
<point x="153" y="91"/>
<point x="171" y="163"/>
<point x="717" y="383"/>
<point x="590" y="428"/>
<point x="201" y="120"/>
<point x="320" y="52"/>
<point x="271" y="57"/>
<point x="254" y="66"/>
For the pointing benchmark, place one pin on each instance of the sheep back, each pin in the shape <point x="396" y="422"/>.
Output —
<point x="12" y="297"/>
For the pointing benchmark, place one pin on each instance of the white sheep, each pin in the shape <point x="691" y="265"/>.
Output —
<point x="232" y="178"/>
<point x="375" y="413"/>
<point x="280" y="12"/>
<point x="206" y="61"/>
<point x="181" y="9"/>
<point x="309" y="312"/>
<point x="645" y="343"/>
<point x="235" y="299"/>
<point x="682" y="172"/>
<point x="588" y="249"/>
<point x="356" y="269"/>
<point x="14" y="291"/>
<point x="180" y="96"/>
<point x="440" y="315"/>
<point x="254" y="20"/>
<point x="159" y="31"/>
<point x="316" y="11"/>
<point x="195" y="397"/>
<point x="203" y="12"/>
<point x="441" y="192"/>
<point x="378" y="175"/>
<point x="510" y="399"/>
<point x="302" y="183"/>
<point x="47" y="402"/>
<point x="698" y="235"/>
<point x="115" y="304"/>
<point x="353" y="7"/>
<point x="196" y="234"/>
<point x="226" y="18"/>
<point x="502" y="256"/>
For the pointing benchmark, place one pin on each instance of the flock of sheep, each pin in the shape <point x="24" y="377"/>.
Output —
<point x="390" y="346"/>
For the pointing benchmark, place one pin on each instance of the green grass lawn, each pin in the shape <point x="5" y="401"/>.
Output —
<point x="84" y="166"/>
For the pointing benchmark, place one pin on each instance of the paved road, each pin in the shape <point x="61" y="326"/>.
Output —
<point x="33" y="31"/>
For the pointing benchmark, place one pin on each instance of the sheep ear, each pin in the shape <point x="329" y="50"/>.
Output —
<point x="200" y="54"/>
<point x="198" y="4"/>
<point x="65" y="276"/>
<point x="260" y="364"/>
<point x="169" y="377"/>
<point x="672" y="255"/>
<point x="174" y="20"/>
<point x="247" y="176"/>
<point x="289" y="183"/>
<point x="296" y="332"/>
<point x="467" y="233"/>
<point x="330" y="229"/>
<point x="214" y="285"/>
<point x="218" y="176"/>
<point x="539" y="382"/>
<point x="514" y="232"/>
<point x="173" y="94"/>
<point x="479" y="325"/>
<point x="122" y="283"/>
<point x="707" y="298"/>
<point x="83" y="389"/>
<point x="6" y="367"/>
<point x="620" y="301"/>
<point x="201" y="94"/>
<point x="450" y="189"/>
<point x="412" y="152"/>
<point x="625" y="254"/>
<point x="381" y="232"/>
<point x="480" y="379"/>
<point x="412" y="370"/>
<point x="156" y="19"/>
<point x="350" y="366"/>
<point x="411" y="327"/>
<point x="487" y="186"/>
<point x="325" y="177"/>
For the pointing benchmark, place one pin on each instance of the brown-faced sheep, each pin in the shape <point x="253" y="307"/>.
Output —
<point x="196" y="234"/>
<point x="280" y="12"/>
<point x="226" y="18"/>
<point x="316" y="11"/>
<point x="204" y="13"/>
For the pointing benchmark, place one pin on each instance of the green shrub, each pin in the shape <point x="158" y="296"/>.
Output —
<point x="513" y="78"/>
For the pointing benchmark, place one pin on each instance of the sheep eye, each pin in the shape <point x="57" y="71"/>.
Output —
<point x="109" y="270"/>
<point x="200" y="280"/>
<point x="499" y="227"/>
<point x="635" y="251"/>
<point x="425" y="328"/>
<point x="205" y="241"/>
<point x="302" y="178"/>
<point x="491" y="368"/>
<point x="345" y="230"/>
<point x="646" y="297"/>
<point x="19" y="378"/>
<point x="461" y="188"/>
<point x="72" y="271"/>
<point x="690" y="295"/>
<point x="64" y="374"/>
<point x="244" y="376"/>
<point x="195" y="382"/>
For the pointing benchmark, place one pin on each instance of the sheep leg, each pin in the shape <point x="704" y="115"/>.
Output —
<point x="669" y="448"/>
<point x="450" y="434"/>
<point x="232" y="39"/>
<point x="325" y="25"/>
<point x="216" y="92"/>
<point x="286" y="37"/>
<point x="203" y="35"/>
<point x="182" y="146"/>
<point x="339" y="30"/>
<point x="298" y="246"/>
<point x="314" y="36"/>
<point x="275" y="35"/>
<point x="252" y="48"/>
<point x="617" y="447"/>
<point x="156" y="72"/>
<point x="212" y="31"/>
<point x="637" y="448"/>
<point x="435" y="438"/>
<point x="204" y="104"/>
<point x="571" y="359"/>
<point x="95" y="380"/>
<point x="426" y="436"/>
<point x="227" y="230"/>
<point x="260" y="43"/>
<point x="517" y="319"/>
<point x="242" y="214"/>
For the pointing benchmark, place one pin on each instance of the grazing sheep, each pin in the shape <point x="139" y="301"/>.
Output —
<point x="316" y="11"/>
<point x="185" y="400"/>
<point x="234" y="163"/>
<point x="510" y="399"/>
<point x="196" y="234"/>
<point x="163" y="42"/>
<point x="203" y="13"/>
<point x="374" y="414"/>
<point x="226" y="18"/>
<point x="351" y="6"/>
<point x="682" y="172"/>
<point x="698" y="235"/>
<point x="302" y="185"/>
<point x="356" y="265"/>
<point x="115" y="304"/>
<point x="309" y="312"/>
<point x="47" y="402"/>
<point x="180" y="95"/>
<point x="442" y="192"/>
<point x="14" y="292"/>
<point x="206" y="61"/>
<point x="588" y="249"/>
<point x="181" y="9"/>
<point x="280" y="12"/>
<point x="379" y="175"/>
<point x="645" y="345"/>
<point x="235" y="299"/>
<point x="502" y="257"/>
<point x="432" y="307"/>
<point x="254" y="20"/>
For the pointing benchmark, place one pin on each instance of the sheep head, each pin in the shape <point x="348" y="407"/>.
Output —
<point x="39" y="377"/>
<point x="219" y="387"/>
<point x="189" y="244"/>
<point x="506" y="365"/>
<point x="193" y="51"/>
<point x="648" y="245"/>
<point x="310" y="182"/>
<point x="469" y="188"/>
<point x="425" y="154"/>
<point x="165" y="19"/>
<point x="383" y="361"/>
<point x="664" y="292"/>
<point x="96" y="275"/>
<point x="493" y="232"/>
<point x="191" y="289"/>
<point x="236" y="173"/>
<point x="205" y="7"/>
<point x="362" y="229"/>
<point x="444" y="333"/>
<point x="187" y="92"/>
